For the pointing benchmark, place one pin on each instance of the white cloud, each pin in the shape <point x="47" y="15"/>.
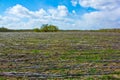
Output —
<point x="41" y="12"/>
<point x="100" y="4"/>
<point x="73" y="11"/>
<point x="61" y="11"/>
<point x="74" y="2"/>
<point x="107" y="15"/>
<point x="22" y="18"/>
<point x="19" y="11"/>
<point x="22" y="12"/>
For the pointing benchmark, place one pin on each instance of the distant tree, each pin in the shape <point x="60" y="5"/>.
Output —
<point x="36" y="30"/>
<point x="48" y="28"/>
<point x="3" y="29"/>
<point x="44" y="28"/>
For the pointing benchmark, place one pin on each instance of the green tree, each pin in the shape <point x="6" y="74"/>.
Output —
<point x="48" y="28"/>
<point x="36" y="30"/>
<point x="3" y="29"/>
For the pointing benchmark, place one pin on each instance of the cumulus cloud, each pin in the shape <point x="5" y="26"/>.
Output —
<point x="100" y="4"/>
<point x="18" y="11"/>
<point x="61" y="11"/>
<point x="107" y="15"/>
<point x="22" y="12"/>
<point x="22" y="18"/>
<point x="40" y="13"/>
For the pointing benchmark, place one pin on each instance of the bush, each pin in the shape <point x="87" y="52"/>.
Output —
<point x="36" y="30"/>
<point x="49" y="28"/>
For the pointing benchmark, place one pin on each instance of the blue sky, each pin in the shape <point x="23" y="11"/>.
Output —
<point x="66" y="14"/>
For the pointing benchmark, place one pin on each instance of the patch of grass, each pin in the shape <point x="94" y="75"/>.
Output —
<point x="88" y="58"/>
<point x="108" y="78"/>
<point x="1" y="78"/>
<point x="72" y="51"/>
<point x="36" y="51"/>
<point x="92" y="71"/>
<point x="90" y="78"/>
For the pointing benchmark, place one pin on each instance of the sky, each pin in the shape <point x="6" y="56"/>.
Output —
<point x="66" y="14"/>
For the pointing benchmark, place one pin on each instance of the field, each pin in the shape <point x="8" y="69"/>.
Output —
<point x="60" y="56"/>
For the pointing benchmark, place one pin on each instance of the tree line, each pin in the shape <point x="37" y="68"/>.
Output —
<point x="43" y="28"/>
<point x="53" y="28"/>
